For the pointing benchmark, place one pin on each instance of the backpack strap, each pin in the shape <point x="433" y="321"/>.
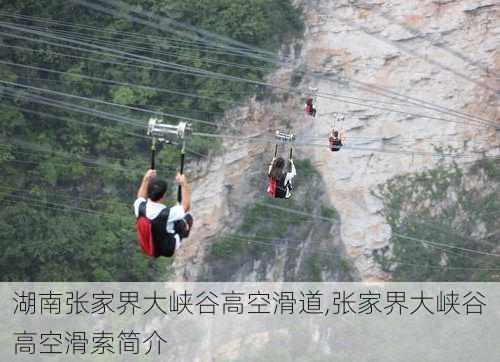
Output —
<point x="164" y="242"/>
<point x="281" y="187"/>
<point x="142" y="209"/>
<point x="164" y="213"/>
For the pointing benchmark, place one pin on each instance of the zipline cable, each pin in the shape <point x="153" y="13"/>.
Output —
<point x="214" y="75"/>
<point x="129" y="9"/>
<point x="417" y="101"/>
<point x="163" y="114"/>
<point x="140" y="38"/>
<point x="161" y="23"/>
<point x="393" y="232"/>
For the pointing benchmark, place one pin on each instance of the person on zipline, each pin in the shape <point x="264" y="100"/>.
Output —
<point x="309" y="107"/>
<point x="335" y="141"/>
<point x="160" y="229"/>
<point x="279" y="181"/>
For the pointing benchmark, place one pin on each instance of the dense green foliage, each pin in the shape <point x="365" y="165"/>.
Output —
<point x="68" y="177"/>
<point x="453" y="208"/>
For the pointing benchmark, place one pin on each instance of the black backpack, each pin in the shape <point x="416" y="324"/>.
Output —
<point x="163" y="243"/>
<point x="281" y="187"/>
<point x="335" y="144"/>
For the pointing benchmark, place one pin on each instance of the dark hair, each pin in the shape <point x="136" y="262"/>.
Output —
<point x="156" y="188"/>
<point x="277" y="169"/>
<point x="309" y="101"/>
<point x="335" y="133"/>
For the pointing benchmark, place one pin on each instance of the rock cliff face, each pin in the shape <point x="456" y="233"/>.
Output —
<point x="220" y="189"/>
<point x="366" y="58"/>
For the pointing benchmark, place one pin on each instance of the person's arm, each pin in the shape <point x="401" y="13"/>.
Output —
<point x="143" y="189"/>
<point x="293" y="171"/>
<point x="290" y="175"/>
<point x="185" y="194"/>
<point x="288" y="180"/>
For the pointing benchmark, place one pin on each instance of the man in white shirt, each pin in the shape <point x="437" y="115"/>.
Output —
<point x="150" y="195"/>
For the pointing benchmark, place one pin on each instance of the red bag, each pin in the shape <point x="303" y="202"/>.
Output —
<point x="145" y="236"/>
<point x="144" y="230"/>
<point x="271" y="187"/>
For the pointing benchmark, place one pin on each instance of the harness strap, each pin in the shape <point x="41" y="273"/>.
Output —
<point x="142" y="209"/>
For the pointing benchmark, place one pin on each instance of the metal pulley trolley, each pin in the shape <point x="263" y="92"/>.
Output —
<point x="169" y="134"/>
<point x="284" y="138"/>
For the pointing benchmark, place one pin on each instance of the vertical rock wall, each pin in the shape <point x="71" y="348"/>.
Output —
<point x="445" y="53"/>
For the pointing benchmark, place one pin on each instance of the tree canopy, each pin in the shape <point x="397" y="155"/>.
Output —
<point x="69" y="171"/>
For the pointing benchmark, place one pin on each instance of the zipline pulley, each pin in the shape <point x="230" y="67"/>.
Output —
<point x="284" y="137"/>
<point x="170" y="134"/>
<point x="338" y="118"/>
